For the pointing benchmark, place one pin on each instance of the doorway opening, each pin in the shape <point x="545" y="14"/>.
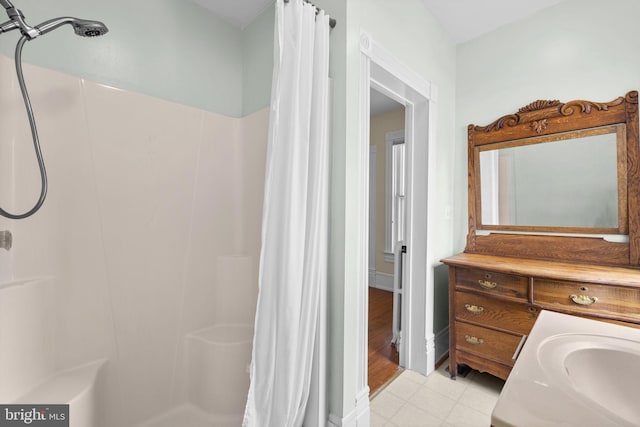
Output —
<point x="387" y="188"/>
<point x="382" y="72"/>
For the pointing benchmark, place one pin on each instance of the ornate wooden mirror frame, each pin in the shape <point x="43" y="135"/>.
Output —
<point x="543" y="121"/>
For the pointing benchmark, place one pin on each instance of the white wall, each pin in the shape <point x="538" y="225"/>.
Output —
<point x="575" y="50"/>
<point x="137" y="242"/>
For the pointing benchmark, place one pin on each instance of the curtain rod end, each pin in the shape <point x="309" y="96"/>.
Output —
<point x="332" y="21"/>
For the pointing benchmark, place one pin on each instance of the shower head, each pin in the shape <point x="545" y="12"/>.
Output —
<point x="81" y="27"/>
<point x="86" y="28"/>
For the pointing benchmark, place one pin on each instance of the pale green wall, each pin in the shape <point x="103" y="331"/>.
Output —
<point x="171" y="49"/>
<point x="441" y="302"/>
<point x="257" y="60"/>
<point x="578" y="49"/>
<point x="426" y="48"/>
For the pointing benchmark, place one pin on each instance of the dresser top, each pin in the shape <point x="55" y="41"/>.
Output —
<point x="613" y="275"/>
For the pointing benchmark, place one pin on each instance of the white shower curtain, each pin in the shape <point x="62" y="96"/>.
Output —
<point x="286" y="364"/>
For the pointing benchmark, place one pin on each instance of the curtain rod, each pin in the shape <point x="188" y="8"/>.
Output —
<point x="332" y="22"/>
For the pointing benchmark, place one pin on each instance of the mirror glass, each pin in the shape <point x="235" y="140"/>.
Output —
<point x="567" y="180"/>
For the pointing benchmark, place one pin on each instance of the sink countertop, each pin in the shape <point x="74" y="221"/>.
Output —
<point x="555" y="380"/>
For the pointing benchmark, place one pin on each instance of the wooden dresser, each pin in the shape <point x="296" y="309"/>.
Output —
<point x="543" y="233"/>
<point x="494" y="301"/>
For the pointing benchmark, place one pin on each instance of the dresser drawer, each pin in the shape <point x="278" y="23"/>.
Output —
<point x="505" y="315"/>
<point x="587" y="298"/>
<point x="488" y="343"/>
<point x="492" y="283"/>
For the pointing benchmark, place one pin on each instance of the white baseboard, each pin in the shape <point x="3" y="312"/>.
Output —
<point x="334" y="421"/>
<point x="360" y="416"/>
<point x="363" y="414"/>
<point x="348" y="420"/>
<point x="381" y="281"/>
<point x="429" y="360"/>
<point x="372" y="278"/>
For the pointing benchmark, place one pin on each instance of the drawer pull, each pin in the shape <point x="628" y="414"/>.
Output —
<point x="487" y="284"/>
<point x="474" y="308"/>
<point x="583" y="299"/>
<point x="473" y="340"/>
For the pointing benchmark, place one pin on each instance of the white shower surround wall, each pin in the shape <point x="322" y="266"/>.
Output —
<point x="147" y="199"/>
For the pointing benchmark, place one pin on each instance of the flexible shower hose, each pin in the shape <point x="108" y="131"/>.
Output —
<point x="34" y="136"/>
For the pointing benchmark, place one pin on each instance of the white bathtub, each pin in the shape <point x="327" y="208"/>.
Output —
<point x="218" y="358"/>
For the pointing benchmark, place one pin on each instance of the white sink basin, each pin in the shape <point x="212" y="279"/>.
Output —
<point x="596" y="368"/>
<point x="573" y="371"/>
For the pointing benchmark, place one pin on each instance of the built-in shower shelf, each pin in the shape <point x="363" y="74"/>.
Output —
<point x="76" y="387"/>
<point x="65" y="386"/>
<point x="25" y="281"/>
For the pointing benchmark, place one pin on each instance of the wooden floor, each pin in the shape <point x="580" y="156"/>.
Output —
<point x="383" y="357"/>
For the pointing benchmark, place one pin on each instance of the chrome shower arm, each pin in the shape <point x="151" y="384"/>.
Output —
<point x="52" y="24"/>
<point x="17" y="17"/>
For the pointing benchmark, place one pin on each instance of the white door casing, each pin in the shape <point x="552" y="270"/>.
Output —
<point x="381" y="71"/>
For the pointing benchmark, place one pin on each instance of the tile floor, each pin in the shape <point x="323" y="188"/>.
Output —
<point x="414" y="400"/>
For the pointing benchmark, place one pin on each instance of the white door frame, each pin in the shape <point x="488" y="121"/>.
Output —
<point x="383" y="72"/>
